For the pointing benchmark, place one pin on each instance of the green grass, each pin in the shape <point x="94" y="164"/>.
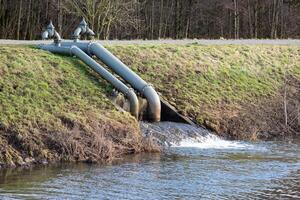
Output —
<point x="54" y="108"/>
<point x="197" y="78"/>
<point x="38" y="87"/>
<point x="203" y="82"/>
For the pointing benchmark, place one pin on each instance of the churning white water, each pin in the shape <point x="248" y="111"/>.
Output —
<point x="211" y="141"/>
<point x="196" y="165"/>
<point x="183" y="135"/>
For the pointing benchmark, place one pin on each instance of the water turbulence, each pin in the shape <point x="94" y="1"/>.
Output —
<point x="196" y="164"/>
<point x="170" y="134"/>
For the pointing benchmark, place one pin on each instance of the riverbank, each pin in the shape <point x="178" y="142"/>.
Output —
<point x="54" y="108"/>
<point x="238" y="91"/>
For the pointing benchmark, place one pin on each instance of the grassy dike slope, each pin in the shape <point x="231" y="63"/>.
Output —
<point x="236" y="90"/>
<point x="53" y="108"/>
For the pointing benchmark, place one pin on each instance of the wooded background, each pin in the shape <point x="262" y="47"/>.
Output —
<point x="153" y="19"/>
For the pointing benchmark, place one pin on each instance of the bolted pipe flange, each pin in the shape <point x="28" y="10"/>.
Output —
<point x="129" y="91"/>
<point x="89" y="52"/>
<point x="146" y="86"/>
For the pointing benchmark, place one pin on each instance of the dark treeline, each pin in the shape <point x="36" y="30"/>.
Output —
<point x="153" y="19"/>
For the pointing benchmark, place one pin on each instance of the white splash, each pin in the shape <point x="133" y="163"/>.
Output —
<point x="186" y="136"/>
<point x="211" y="141"/>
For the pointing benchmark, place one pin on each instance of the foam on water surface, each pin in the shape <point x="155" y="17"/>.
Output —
<point x="186" y="136"/>
<point x="211" y="142"/>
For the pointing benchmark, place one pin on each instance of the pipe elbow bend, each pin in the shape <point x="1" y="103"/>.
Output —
<point x="153" y="99"/>
<point x="134" y="103"/>
<point x="93" y="45"/>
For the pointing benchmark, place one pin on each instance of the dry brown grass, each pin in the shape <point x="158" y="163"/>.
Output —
<point x="98" y="140"/>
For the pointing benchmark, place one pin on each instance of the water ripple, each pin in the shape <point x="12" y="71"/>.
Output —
<point x="198" y="165"/>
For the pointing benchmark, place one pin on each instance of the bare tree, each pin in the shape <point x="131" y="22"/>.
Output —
<point x="236" y="20"/>
<point x="130" y="19"/>
<point x="19" y="19"/>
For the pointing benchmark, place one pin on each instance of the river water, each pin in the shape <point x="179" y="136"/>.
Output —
<point x="197" y="165"/>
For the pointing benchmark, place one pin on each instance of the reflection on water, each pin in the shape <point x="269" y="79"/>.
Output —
<point x="285" y="188"/>
<point x="196" y="166"/>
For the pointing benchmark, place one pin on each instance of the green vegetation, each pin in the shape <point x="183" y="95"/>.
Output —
<point x="212" y="74"/>
<point x="214" y="84"/>
<point x="54" y="108"/>
<point x="37" y="86"/>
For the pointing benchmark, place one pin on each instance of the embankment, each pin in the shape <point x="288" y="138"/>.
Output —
<point x="239" y="91"/>
<point x="54" y="108"/>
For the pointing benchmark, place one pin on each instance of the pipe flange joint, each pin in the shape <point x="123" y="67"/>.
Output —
<point x="147" y="85"/>
<point x="128" y="91"/>
<point x="89" y="48"/>
<point x="71" y="48"/>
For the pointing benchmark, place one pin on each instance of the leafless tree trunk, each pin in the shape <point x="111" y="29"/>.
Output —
<point x="176" y="23"/>
<point x="19" y="19"/>
<point x="22" y="19"/>
<point x="188" y="18"/>
<point x="27" y="20"/>
<point x="275" y="18"/>
<point x="59" y="16"/>
<point x="256" y="20"/>
<point x="161" y="18"/>
<point x="230" y="24"/>
<point x="236" y="20"/>
<point x="152" y="19"/>
<point x="250" y="20"/>
<point x="47" y="9"/>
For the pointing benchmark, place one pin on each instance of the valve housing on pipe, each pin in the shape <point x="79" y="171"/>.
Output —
<point x="82" y="29"/>
<point x="50" y="32"/>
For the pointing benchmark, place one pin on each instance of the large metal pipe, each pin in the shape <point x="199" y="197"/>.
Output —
<point x="119" y="85"/>
<point x="125" y="72"/>
<point x="132" y="78"/>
